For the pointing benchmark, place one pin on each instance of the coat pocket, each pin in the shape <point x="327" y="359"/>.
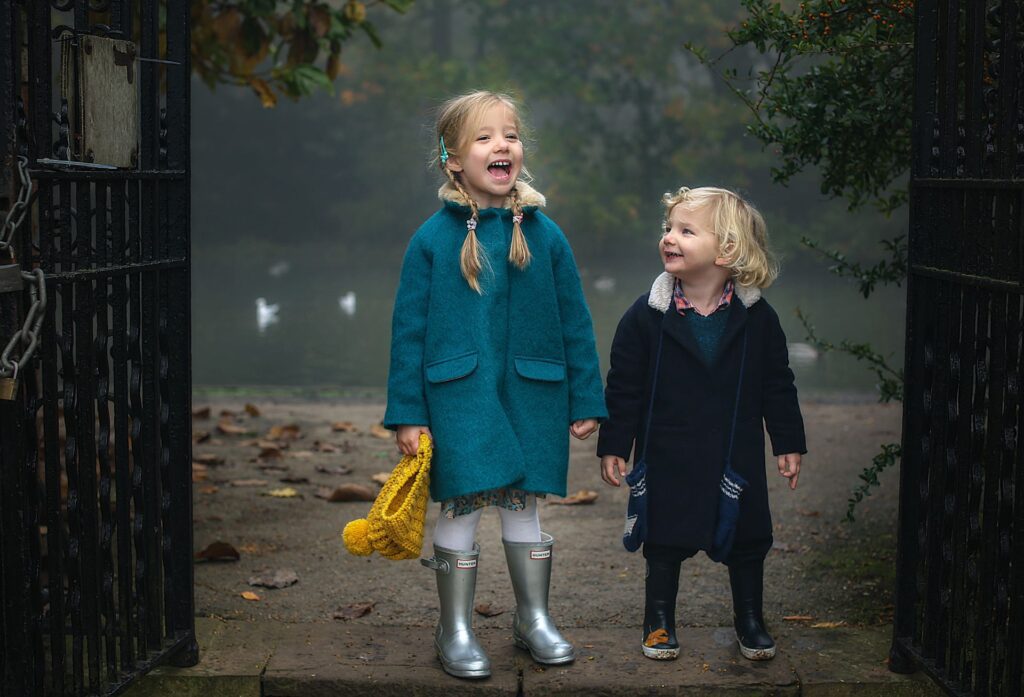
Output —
<point x="448" y="369"/>
<point x="544" y="369"/>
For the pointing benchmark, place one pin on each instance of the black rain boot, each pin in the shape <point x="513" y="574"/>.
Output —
<point x="661" y="587"/>
<point x="747" y="581"/>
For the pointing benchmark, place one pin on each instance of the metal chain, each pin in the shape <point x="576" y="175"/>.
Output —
<point x="16" y="215"/>
<point x="28" y="336"/>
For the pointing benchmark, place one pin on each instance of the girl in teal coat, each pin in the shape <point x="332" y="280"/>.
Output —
<point x="492" y="356"/>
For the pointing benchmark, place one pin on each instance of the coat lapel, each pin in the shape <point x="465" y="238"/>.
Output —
<point x="733" y="326"/>
<point x="675" y="326"/>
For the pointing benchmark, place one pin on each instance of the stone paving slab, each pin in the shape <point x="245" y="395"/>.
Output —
<point x="274" y="659"/>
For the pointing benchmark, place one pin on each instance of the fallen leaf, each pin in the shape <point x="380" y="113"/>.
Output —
<point x="381" y="478"/>
<point x="198" y="472"/>
<point x="285" y="493"/>
<point x="581" y="497"/>
<point x="378" y="431"/>
<point x="257" y="550"/>
<point x="294" y="480"/>
<point x="200" y="436"/>
<point x="273" y="467"/>
<point x="322" y="447"/>
<point x="304" y="454"/>
<point x="201" y="413"/>
<point x="230" y="429"/>
<point x="227" y="413"/>
<point x="208" y="459"/>
<point x="248" y="482"/>
<point x="218" y="551"/>
<point x="486" y="610"/>
<point x="281" y="578"/>
<point x="809" y="514"/>
<point x="271" y="453"/>
<point x="828" y="625"/>
<point x="252" y="410"/>
<point x="344" y="427"/>
<point x="798" y="618"/>
<point x="264" y="443"/>
<point x="346" y="492"/>
<point x="249" y="595"/>
<point x="284" y="432"/>
<point x="208" y="490"/>
<point x="340" y="469"/>
<point x="353" y="610"/>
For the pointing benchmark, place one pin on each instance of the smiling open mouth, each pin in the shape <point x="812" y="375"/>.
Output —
<point x="673" y="255"/>
<point x="500" y="169"/>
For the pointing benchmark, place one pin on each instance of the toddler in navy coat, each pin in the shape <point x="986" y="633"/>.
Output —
<point x="701" y="327"/>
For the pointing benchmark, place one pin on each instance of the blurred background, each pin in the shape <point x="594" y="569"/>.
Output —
<point x="302" y="212"/>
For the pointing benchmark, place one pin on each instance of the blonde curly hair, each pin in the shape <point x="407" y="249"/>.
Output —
<point x="742" y="233"/>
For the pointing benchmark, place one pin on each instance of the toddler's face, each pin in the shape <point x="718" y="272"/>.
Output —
<point x="491" y="163"/>
<point x="689" y="246"/>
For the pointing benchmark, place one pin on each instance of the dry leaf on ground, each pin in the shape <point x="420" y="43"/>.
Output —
<point x="208" y="489"/>
<point x="265" y="443"/>
<point x="208" y="459"/>
<point x="353" y="610"/>
<point x="378" y="431"/>
<point x="809" y="514"/>
<point x="284" y="432"/>
<point x="200" y="436"/>
<point x="285" y="493"/>
<point x="280" y="578"/>
<point x="486" y="610"/>
<point x="294" y="480"/>
<point x="218" y="551"/>
<point x="340" y="469"/>
<point x="252" y="410"/>
<point x="346" y="492"/>
<point x="230" y="429"/>
<point x="273" y="467"/>
<point x="198" y="472"/>
<point x="581" y="497"/>
<point x="344" y="427"/>
<point x="227" y="412"/>
<point x="248" y="482"/>
<point x="304" y="454"/>
<point x="249" y="595"/>
<point x="798" y="618"/>
<point x="322" y="447"/>
<point x="828" y="625"/>
<point x="201" y="413"/>
<point x="271" y="453"/>
<point x="381" y="478"/>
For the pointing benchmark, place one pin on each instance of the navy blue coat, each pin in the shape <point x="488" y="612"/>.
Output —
<point x="693" y="410"/>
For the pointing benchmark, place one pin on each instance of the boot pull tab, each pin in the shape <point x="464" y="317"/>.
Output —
<point x="436" y="564"/>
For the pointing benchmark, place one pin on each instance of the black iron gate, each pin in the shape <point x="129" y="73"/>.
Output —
<point x="960" y="594"/>
<point x="95" y="445"/>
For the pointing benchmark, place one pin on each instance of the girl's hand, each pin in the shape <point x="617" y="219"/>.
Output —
<point x="789" y="467"/>
<point x="583" y="428"/>
<point x="408" y="438"/>
<point x="610" y="464"/>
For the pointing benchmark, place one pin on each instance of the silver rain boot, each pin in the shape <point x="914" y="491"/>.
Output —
<point x="460" y="653"/>
<point x="529" y="565"/>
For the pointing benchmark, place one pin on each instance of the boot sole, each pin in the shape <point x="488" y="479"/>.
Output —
<point x="472" y="674"/>
<point x="660" y="654"/>
<point x="544" y="661"/>
<point x="756" y="654"/>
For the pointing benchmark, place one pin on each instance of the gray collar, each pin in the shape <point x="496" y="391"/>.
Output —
<point x="661" y="293"/>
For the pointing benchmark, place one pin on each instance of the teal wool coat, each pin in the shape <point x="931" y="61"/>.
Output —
<point x="497" y="377"/>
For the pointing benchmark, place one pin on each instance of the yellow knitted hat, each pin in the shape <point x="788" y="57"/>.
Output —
<point x="394" y="525"/>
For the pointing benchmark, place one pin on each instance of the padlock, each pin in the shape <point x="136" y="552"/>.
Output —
<point x="8" y="389"/>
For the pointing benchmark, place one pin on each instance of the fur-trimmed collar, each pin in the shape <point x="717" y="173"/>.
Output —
<point x="528" y="196"/>
<point x="661" y="293"/>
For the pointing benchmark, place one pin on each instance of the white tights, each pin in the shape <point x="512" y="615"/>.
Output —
<point x="458" y="533"/>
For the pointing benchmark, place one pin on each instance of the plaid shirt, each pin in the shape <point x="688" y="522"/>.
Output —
<point x="682" y="304"/>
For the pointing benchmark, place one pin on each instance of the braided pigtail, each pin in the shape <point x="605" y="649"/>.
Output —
<point x="518" y="251"/>
<point x="469" y="259"/>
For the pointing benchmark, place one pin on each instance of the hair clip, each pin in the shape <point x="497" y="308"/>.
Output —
<point x="444" y="153"/>
<point x="517" y="219"/>
<point x="471" y="224"/>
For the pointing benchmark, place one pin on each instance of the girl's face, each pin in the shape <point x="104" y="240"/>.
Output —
<point x="491" y="162"/>
<point x="689" y="246"/>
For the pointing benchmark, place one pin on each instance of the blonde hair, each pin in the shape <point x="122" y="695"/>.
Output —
<point x="456" y="122"/>
<point x="741" y="230"/>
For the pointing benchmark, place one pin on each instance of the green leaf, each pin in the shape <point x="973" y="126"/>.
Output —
<point x="401" y="6"/>
<point x="371" y="32"/>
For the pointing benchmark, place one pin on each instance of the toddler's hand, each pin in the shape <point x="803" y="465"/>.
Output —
<point x="408" y="438"/>
<point x="789" y="467"/>
<point x="583" y="428"/>
<point x="610" y="464"/>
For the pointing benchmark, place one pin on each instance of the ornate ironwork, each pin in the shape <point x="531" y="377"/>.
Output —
<point x="95" y="472"/>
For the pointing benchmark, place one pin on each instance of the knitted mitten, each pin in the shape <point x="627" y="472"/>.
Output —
<point x="636" y="509"/>
<point x="730" y="489"/>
